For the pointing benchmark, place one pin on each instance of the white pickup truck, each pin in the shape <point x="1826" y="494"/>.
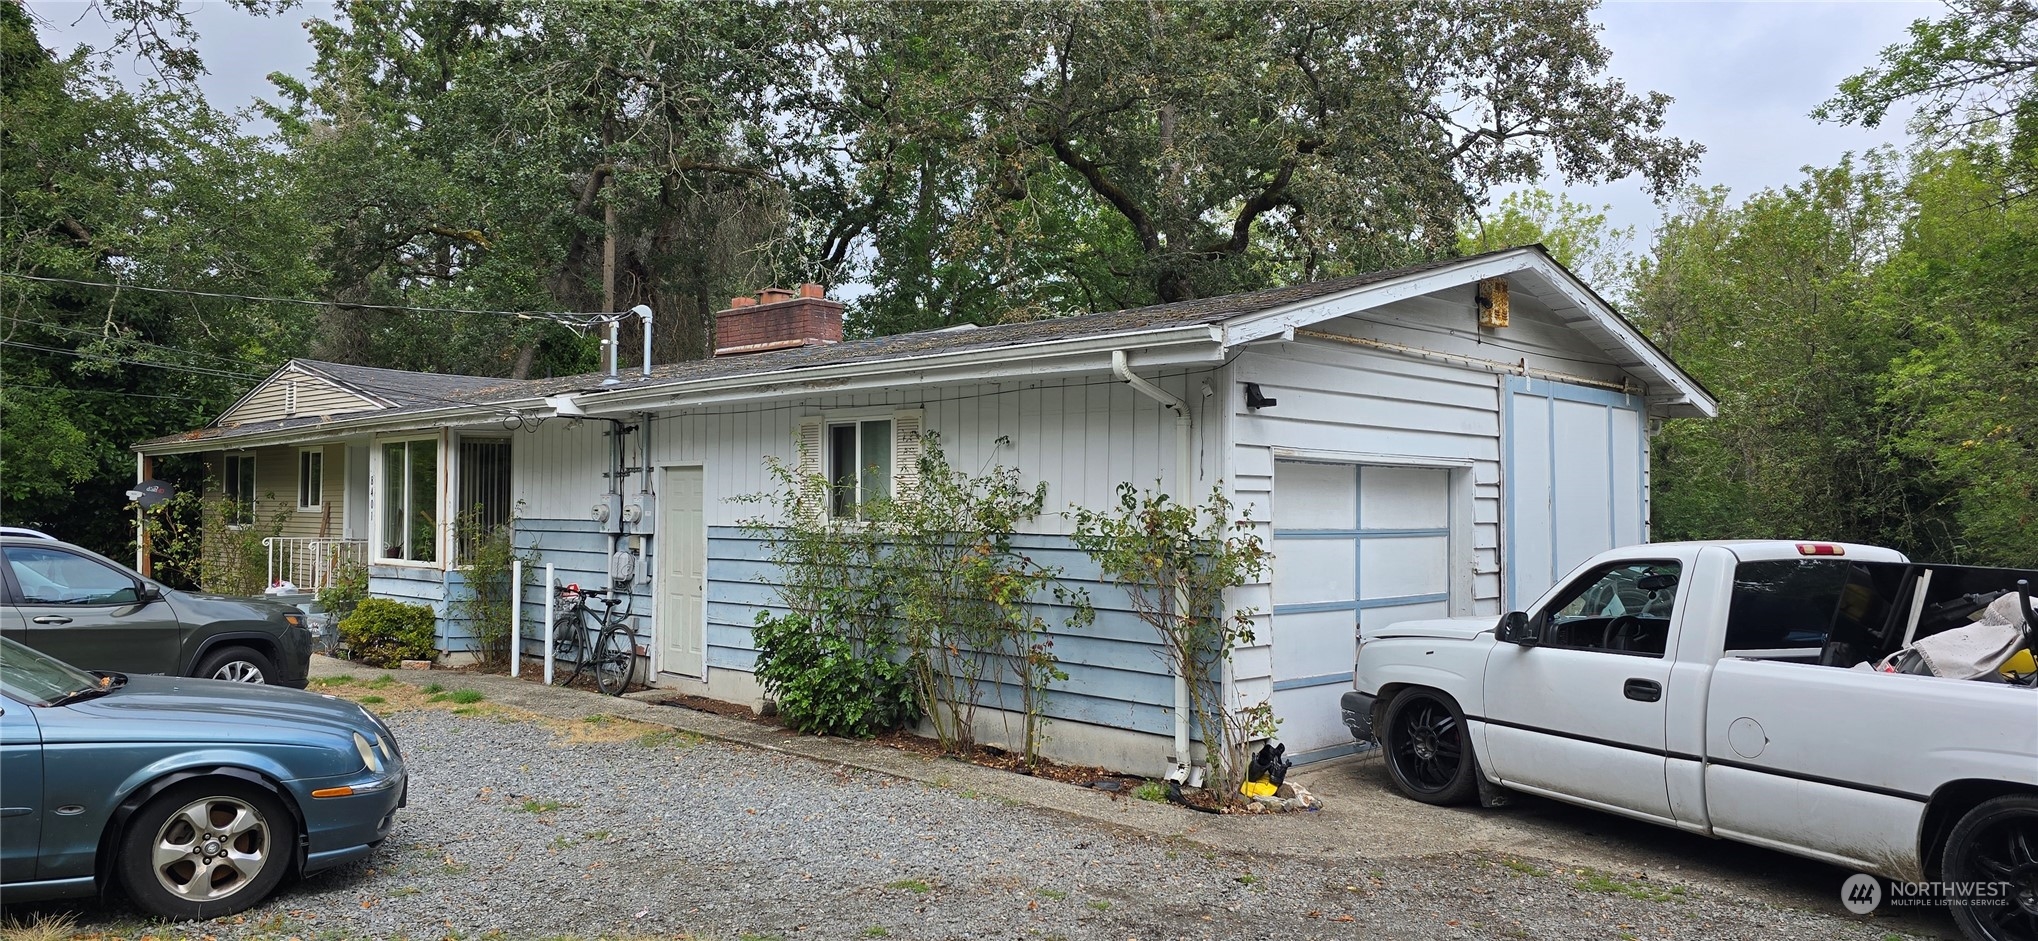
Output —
<point x="1706" y="686"/>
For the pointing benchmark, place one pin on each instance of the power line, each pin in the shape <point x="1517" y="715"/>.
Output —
<point x="125" y="395"/>
<point x="104" y="358"/>
<point x="139" y="342"/>
<point x="577" y="321"/>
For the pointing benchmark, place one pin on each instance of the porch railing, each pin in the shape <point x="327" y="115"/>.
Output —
<point x="310" y="564"/>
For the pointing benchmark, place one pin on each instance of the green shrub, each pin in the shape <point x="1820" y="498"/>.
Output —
<point x="825" y="684"/>
<point x="385" y="633"/>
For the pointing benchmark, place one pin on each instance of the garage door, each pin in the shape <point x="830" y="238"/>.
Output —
<point x="1353" y="545"/>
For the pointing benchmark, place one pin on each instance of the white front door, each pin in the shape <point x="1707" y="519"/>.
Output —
<point x="682" y="574"/>
<point x="1352" y="545"/>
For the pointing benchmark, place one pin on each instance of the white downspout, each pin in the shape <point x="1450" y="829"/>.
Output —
<point x="1184" y="485"/>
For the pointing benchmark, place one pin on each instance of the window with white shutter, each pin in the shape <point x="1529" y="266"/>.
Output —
<point x="862" y="458"/>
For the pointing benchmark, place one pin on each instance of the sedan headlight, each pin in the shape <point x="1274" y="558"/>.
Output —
<point x="369" y="755"/>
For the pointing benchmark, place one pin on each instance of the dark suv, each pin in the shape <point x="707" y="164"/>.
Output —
<point x="94" y="613"/>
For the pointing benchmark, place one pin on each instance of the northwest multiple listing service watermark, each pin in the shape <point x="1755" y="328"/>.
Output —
<point x="1863" y="893"/>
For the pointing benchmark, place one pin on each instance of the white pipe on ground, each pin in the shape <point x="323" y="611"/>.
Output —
<point x="1183" y="483"/>
<point x="551" y="598"/>
<point x="516" y="611"/>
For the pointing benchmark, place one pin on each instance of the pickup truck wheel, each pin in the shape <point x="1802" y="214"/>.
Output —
<point x="1996" y="845"/>
<point x="1428" y="755"/>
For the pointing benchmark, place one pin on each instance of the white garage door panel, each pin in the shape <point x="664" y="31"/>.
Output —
<point x="1409" y="565"/>
<point x="1350" y="544"/>
<point x="1404" y="498"/>
<point x="1315" y="496"/>
<point x="1314" y="644"/>
<point x="1584" y="482"/>
<point x="1315" y="570"/>
<point x="1419" y="611"/>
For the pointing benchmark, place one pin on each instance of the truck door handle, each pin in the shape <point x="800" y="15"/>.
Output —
<point x="52" y="619"/>
<point x="1643" y="690"/>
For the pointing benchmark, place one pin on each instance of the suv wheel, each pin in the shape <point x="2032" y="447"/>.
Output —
<point x="235" y="665"/>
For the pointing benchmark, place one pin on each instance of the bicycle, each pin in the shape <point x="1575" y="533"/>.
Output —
<point x="600" y="643"/>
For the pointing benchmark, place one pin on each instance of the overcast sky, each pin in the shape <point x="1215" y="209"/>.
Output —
<point x="1744" y="75"/>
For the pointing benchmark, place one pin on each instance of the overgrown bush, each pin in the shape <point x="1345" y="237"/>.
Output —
<point x="1175" y="563"/>
<point x="486" y="553"/>
<point x="384" y="633"/>
<point x="194" y="541"/>
<point x="345" y="590"/>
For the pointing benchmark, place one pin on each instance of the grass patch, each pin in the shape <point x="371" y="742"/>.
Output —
<point x="406" y="890"/>
<point x="1156" y="791"/>
<point x="535" y="806"/>
<point x="1592" y="880"/>
<point x="877" y="931"/>
<point x="371" y="700"/>
<point x="459" y="697"/>
<point x="1055" y="894"/>
<point x="915" y="886"/>
<point x="595" y="718"/>
<point x="40" y="927"/>
<point x="343" y="679"/>
<point x="678" y="738"/>
<point x="1101" y="905"/>
<point x="562" y="841"/>
<point x="1247" y="879"/>
<point x="384" y="681"/>
<point x="434" y="688"/>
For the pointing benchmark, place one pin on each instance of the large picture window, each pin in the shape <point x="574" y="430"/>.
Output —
<point x="239" y="485"/>
<point x="311" y="477"/>
<point x="410" y="501"/>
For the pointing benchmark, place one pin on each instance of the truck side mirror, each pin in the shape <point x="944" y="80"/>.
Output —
<point x="1516" y="628"/>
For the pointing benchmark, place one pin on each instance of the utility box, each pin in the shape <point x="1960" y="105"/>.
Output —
<point x="608" y="512"/>
<point x="641" y="513"/>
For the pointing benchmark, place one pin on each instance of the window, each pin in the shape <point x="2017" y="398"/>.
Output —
<point x="239" y="483"/>
<point x="410" y="501"/>
<point x="1619" y="608"/>
<point x="50" y="576"/>
<point x="484" y="488"/>
<point x="859" y="465"/>
<point x="311" y="477"/>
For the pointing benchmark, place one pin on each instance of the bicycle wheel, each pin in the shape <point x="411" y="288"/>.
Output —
<point x="568" y="649"/>
<point x="615" y="657"/>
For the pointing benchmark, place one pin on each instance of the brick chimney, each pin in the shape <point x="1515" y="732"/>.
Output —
<point x="778" y="319"/>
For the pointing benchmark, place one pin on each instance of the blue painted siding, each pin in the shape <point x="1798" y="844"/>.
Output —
<point x="1117" y="676"/>
<point x="579" y="552"/>
<point x="422" y="586"/>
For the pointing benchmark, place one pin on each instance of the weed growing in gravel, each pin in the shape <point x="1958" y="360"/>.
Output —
<point x="452" y="868"/>
<point x="535" y="806"/>
<point x="1156" y="791"/>
<point x="1592" y="880"/>
<point x="384" y="681"/>
<point x="915" y="886"/>
<point x="595" y="717"/>
<point x="1101" y="905"/>
<point x="341" y="680"/>
<point x="562" y="841"/>
<point x="1523" y="868"/>
<point x="599" y="836"/>
<point x="435" y="688"/>
<point x="1055" y="894"/>
<point x="404" y="891"/>
<point x="371" y="700"/>
<point x="877" y="931"/>
<point x="675" y="737"/>
<point x="1247" y="879"/>
<point x="463" y="697"/>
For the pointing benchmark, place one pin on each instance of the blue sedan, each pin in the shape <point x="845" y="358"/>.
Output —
<point x="197" y="797"/>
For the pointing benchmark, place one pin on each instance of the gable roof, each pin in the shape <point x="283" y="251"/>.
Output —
<point x="1209" y="325"/>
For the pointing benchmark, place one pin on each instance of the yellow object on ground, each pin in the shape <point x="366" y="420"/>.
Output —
<point x="1257" y="789"/>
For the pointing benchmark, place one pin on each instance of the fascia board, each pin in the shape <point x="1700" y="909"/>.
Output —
<point x="325" y="431"/>
<point x="1645" y="353"/>
<point x="1033" y="359"/>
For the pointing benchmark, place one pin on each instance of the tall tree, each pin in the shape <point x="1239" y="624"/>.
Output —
<point x="482" y="155"/>
<point x="1578" y="236"/>
<point x="150" y="188"/>
<point x="1107" y="154"/>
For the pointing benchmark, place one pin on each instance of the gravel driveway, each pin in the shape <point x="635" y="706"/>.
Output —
<point x="529" y="826"/>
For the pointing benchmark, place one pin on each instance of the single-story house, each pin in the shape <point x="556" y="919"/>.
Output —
<point x="1446" y="438"/>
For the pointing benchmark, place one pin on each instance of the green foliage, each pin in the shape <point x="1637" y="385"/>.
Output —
<point x="1176" y="562"/>
<point x="384" y="633"/>
<point x="487" y="553"/>
<point x="1971" y="70"/>
<point x="1081" y="156"/>
<point x="1575" y="235"/>
<point x="193" y="542"/>
<point x="966" y="599"/>
<point x="344" y="592"/>
<point x="912" y="610"/>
